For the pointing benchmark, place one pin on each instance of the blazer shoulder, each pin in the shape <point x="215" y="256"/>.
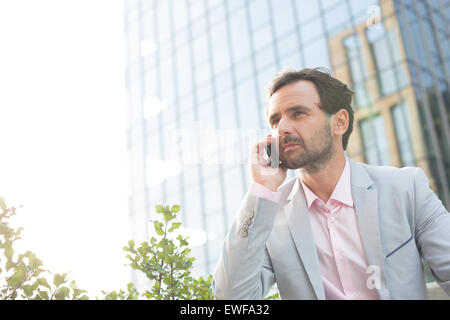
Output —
<point x="390" y="175"/>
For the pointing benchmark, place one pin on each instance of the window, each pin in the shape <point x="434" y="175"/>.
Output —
<point x="259" y="13"/>
<point x="184" y="71"/>
<point x="293" y="60"/>
<point x="225" y="107"/>
<point x="173" y="191"/>
<point x="192" y="206"/>
<point x="180" y="15"/>
<point x="167" y="80"/>
<point x="337" y="19"/>
<point x="163" y="18"/>
<point x="244" y="69"/>
<point x="190" y="176"/>
<point x="247" y="105"/>
<point x="375" y="143"/>
<point x="137" y="169"/>
<point x="262" y="37"/>
<point x="217" y="14"/>
<point x="206" y="115"/>
<point x="215" y="234"/>
<point x="197" y="9"/>
<point x="288" y="44"/>
<point x="311" y="31"/>
<point x="220" y="48"/>
<point x="223" y="82"/>
<point x="400" y="116"/>
<point x="203" y="75"/>
<point x="391" y="74"/>
<point x="234" y="192"/>
<point x="239" y="35"/>
<point x="283" y="16"/>
<point x="148" y="25"/>
<point x="155" y="197"/>
<point x="199" y="26"/>
<point x="316" y="54"/>
<point x="154" y="144"/>
<point x="133" y="46"/>
<point x="212" y="195"/>
<point x="358" y="69"/>
<point x="306" y="10"/>
<point x="200" y="46"/>
<point x="265" y="57"/>
<point x="204" y="93"/>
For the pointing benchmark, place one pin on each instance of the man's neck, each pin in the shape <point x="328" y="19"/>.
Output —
<point x="323" y="182"/>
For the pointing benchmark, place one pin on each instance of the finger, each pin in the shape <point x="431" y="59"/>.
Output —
<point x="258" y="150"/>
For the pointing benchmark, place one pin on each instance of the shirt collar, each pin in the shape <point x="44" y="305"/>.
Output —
<point x="342" y="191"/>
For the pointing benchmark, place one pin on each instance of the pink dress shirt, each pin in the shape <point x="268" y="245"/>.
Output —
<point x="343" y="264"/>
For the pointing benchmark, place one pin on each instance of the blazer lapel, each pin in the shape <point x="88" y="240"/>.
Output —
<point x="296" y="213"/>
<point x="365" y="199"/>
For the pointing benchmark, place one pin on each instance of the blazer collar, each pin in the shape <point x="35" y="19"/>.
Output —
<point x="365" y="199"/>
<point x="296" y="214"/>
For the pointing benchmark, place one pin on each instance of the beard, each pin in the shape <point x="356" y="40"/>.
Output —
<point x="311" y="157"/>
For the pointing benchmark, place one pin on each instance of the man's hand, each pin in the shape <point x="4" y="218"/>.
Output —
<point x="260" y="169"/>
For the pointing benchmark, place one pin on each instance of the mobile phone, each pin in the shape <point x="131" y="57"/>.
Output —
<point x="273" y="156"/>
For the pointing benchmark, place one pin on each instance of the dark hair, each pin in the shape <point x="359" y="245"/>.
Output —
<point x="334" y="95"/>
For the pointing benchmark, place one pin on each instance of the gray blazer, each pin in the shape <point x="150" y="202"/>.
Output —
<point x="400" y="221"/>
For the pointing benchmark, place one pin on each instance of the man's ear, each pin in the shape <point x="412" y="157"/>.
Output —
<point x="341" y="121"/>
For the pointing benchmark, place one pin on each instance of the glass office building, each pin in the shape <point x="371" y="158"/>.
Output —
<point x="196" y="72"/>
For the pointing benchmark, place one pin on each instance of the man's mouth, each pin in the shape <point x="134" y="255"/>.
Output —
<point x="290" y="146"/>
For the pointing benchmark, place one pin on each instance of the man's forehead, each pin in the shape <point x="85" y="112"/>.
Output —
<point x="300" y="93"/>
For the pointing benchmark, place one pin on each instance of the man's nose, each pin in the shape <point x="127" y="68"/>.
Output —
<point x="284" y="127"/>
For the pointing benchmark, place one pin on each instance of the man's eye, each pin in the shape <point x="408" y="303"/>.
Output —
<point x="274" y="122"/>
<point x="297" y="113"/>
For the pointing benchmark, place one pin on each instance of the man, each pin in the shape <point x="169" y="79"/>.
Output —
<point x="341" y="229"/>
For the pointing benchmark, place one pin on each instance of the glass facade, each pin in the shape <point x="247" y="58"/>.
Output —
<point x="402" y="132"/>
<point x="427" y="45"/>
<point x="196" y="72"/>
<point x="375" y="142"/>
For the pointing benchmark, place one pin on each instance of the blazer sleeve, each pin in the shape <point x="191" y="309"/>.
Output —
<point x="244" y="270"/>
<point x="432" y="230"/>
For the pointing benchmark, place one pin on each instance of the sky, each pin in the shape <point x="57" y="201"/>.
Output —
<point x="63" y="121"/>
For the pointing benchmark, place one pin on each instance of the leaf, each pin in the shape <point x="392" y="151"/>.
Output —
<point x="174" y="226"/>
<point x="175" y="208"/>
<point x="9" y="252"/>
<point x="4" y="228"/>
<point x="43" y="282"/>
<point x="16" y="279"/>
<point x="159" y="228"/>
<point x="62" y="293"/>
<point x="2" y="203"/>
<point x="77" y="292"/>
<point x="28" y="289"/>
<point x="43" y="294"/>
<point x="182" y="240"/>
<point x="168" y="216"/>
<point x="59" y="279"/>
<point x="73" y="285"/>
<point x="159" y="208"/>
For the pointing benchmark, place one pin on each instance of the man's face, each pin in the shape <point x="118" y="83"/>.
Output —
<point x="305" y="134"/>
